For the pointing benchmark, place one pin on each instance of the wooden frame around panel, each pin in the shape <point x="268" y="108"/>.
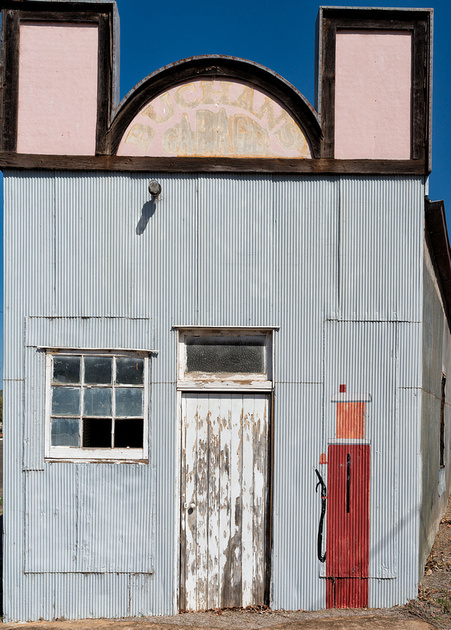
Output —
<point x="418" y="23"/>
<point x="11" y="20"/>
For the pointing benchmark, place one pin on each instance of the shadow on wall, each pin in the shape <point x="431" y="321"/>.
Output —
<point x="147" y="211"/>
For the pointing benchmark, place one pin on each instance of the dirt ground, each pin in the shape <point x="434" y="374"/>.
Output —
<point x="434" y="598"/>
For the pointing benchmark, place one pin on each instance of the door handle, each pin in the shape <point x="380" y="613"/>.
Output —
<point x="190" y="506"/>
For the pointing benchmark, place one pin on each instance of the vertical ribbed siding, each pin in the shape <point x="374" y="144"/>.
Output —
<point x="34" y="408"/>
<point x="218" y="250"/>
<point x="37" y="596"/>
<point x="50" y="515"/>
<point x="89" y="332"/>
<point x="306" y="255"/>
<point x="28" y="206"/>
<point x="79" y="596"/>
<point x="409" y="477"/>
<point x="90" y="277"/>
<point x="305" y="216"/>
<point x="409" y="408"/>
<point x="236" y="267"/>
<point x="381" y="245"/>
<point x="386" y="593"/>
<point x="115" y="249"/>
<point x="27" y="228"/>
<point x="409" y="355"/>
<point x="296" y="507"/>
<point x="435" y="446"/>
<point x="164" y="435"/>
<point x="167" y="265"/>
<point x="13" y="508"/>
<point x="114" y="519"/>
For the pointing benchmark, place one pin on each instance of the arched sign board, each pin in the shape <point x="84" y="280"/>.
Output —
<point x="214" y="118"/>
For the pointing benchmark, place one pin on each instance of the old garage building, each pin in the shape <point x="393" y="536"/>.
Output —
<point x="227" y="335"/>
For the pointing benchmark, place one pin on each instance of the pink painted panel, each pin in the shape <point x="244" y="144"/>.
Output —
<point x="214" y="118"/>
<point x="373" y="95"/>
<point x="57" y="89"/>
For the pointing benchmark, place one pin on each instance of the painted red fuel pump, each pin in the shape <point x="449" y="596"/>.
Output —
<point x="348" y="494"/>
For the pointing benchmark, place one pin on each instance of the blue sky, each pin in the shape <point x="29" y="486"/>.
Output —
<point x="279" y="35"/>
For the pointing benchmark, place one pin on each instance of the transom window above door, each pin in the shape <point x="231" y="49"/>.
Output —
<point x="212" y="358"/>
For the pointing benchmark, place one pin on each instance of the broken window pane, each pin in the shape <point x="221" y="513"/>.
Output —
<point x="66" y="401"/>
<point x="225" y="355"/>
<point x="66" y="369"/>
<point x="129" y="433"/>
<point x="98" y="370"/>
<point x="97" y="401"/>
<point x="97" y="432"/>
<point x="129" y="371"/>
<point x="65" y="432"/>
<point x="129" y="402"/>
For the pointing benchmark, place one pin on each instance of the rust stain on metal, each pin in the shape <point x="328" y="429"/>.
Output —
<point x="351" y="420"/>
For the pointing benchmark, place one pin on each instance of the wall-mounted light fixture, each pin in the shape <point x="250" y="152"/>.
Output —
<point x="154" y="188"/>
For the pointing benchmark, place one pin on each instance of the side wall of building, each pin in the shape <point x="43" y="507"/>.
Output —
<point x="335" y="262"/>
<point x="436" y="404"/>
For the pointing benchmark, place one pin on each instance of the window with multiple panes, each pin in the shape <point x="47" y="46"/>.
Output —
<point x="97" y="405"/>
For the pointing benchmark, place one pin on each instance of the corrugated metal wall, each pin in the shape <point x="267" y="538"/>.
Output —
<point x="436" y="363"/>
<point x="335" y="262"/>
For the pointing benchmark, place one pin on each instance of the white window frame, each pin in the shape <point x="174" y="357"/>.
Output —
<point x="224" y="381"/>
<point x="88" y="454"/>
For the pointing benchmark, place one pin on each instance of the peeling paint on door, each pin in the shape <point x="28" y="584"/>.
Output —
<point x="224" y="485"/>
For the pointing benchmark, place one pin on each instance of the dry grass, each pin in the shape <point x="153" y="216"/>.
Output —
<point x="434" y="597"/>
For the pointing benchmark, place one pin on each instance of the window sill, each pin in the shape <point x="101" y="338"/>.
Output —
<point x="97" y="455"/>
<point x="218" y="385"/>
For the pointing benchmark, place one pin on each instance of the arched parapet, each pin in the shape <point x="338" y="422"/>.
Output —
<point x="215" y="106"/>
<point x="214" y="113"/>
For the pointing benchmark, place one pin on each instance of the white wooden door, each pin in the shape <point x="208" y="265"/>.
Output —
<point x="224" y="493"/>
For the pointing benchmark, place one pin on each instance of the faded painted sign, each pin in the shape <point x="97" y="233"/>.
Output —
<point x="214" y="119"/>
